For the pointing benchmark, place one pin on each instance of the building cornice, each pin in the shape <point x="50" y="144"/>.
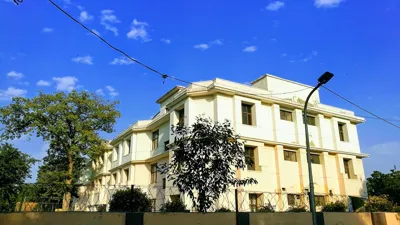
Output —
<point x="148" y="160"/>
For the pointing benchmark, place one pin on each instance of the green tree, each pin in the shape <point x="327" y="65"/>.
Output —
<point x="334" y="207"/>
<point x="385" y="184"/>
<point x="69" y="122"/>
<point x="175" y="205"/>
<point x="14" y="169"/>
<point x="128" y="201"/>
<point x="205" y="160"/>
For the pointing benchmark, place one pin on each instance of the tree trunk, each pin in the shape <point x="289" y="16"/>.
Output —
<point x="68" y="182"/>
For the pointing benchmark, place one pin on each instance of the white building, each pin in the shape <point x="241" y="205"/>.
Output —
<point x="268" y="116"/>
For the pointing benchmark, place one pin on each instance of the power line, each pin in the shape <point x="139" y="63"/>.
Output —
<point x="371" y="117"/>
<point x="363" y="109"/>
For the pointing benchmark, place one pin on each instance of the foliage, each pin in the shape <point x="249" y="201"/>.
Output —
<point x="223" y="209"/>
<point x="204" y="161"/>
<point x="297" y="209"/>
<point x="14" y="169"/>
<point x="357" y="202"/>
<point x="127" y="201"/>
<point x="266" y="208"/>
<point x="174" y="206"/>
<point x="385" y="184"/>
<point x="396" y="208"/>
<point x="361" y="209"/>
<point x="378" y="204"/>
<point x="334" y="207"/>
<point x="69" y="122"/>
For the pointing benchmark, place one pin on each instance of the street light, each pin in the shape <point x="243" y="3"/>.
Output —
<point x="323" y="79"/>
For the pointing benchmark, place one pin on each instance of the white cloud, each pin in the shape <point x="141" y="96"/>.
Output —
<point x="67" y="2"/>
<point x="314" y="53"/>
<point x="83" y="59"/>
<point x="284" y="55"/>
<point x="43" y="83"/>
<point x="47" y="30"/>
<point x="310" y="56"/>
<point x="85" y="16"/>
<point x="15" y="75"/>
<point x="327" y="3"/>
<point x="138" y="31"/>
<point x="250" y="49"/>
<point x="111" y="91"/>
<point x="81" y="8"/>
<point x="216" y="42"/>
<point x="166" y="41"/>
<point x="391" y="147"/>
<point x="11" y="92"/>
<point x="121" y="61"/>
<point x="67" y="83"/>
<point x="25" y="83"/>
<point x="107" y="19"/>
<point x="274" y="6"/>
<point x="100" y="92"/>
<point x="202" y="46"/>
<point x="95" y="31"/>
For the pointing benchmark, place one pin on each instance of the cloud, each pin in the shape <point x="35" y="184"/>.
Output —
<point x="81" y="8"/>
<point x="83" y="59"/>
<point x="202" y="46"/>
<point x="216" y="42"/>
<point x="43" y="83"/>
<point x="100" y="92"/>
<point x="138" y="31"/>
<point x="327" y="3"/>
<point x="274" y="6"/>
<point x="107" y="19"/>
<point x="111" y="91"/>
<point x="25" y="83"/>
<point x="15" y="75"/>
<point x="250" y="49"/>
<point x="67" y="83"/>
<point x="385" y="148"/>
<point x="121" y="61"/>
<point x="310" y="56"/>
<point x="284" y="55"/>
<point x="95" y="31"/>
<point x="11" y="92"/>
<point x="47" y="30"/>
<point x="275" y="23"/>
<point x="166" y="41"/>
<point x="85" y="16"/>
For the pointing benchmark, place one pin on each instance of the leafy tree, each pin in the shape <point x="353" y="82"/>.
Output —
<point x="334" y="207"/>
<point x="206" y="157"/>
<point x="385" y="184"/>
<point x="14" y="169"/>
<point x="127" y="201"/>
<point x="174" y="206"/>
<point x="378" y="204"/>
<point x="69" y="122"/>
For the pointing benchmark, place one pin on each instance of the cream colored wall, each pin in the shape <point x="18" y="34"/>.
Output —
<point x="143" y="145"/>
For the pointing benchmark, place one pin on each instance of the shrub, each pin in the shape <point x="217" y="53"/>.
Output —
<point x="357" y="202"/>
<point x="223" y="210"/>
<point x="396" y="208"/>
<point x="361" y="209"/>
<point x="125" y="201"/>
<point x="297" y="209"/>
<point x="334" y="207"/>
<point x="174" y="206"/>
<point x="378" y="204"/>
<point x="101" y="208"/>
<point x="266" y="208"/>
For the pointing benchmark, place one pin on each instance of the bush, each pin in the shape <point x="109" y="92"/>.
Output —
<point x="297" y="209"/>
<point x="174" y="206"/>
<point x="266" y="208"/>
<point x="396" y="208"/>
<point x="357" y="202"/>
<point x="361" y="209"/>
<point x="223" y="210"/>
<point x="378" y="204"/>
<point x="334" y="207"/>
<point x="125" y="201"/>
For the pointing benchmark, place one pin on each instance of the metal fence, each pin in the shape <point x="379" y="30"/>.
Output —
<point x="97" y="198"/>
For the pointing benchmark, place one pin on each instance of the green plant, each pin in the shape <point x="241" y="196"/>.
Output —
<point x="396" y="208"/>
<point x="174" y="206"/>
<point x="334" y="207"/>
<point x="101" y="208"/>
<point x="357" y="202"/>
<point x="266" y="208"/>
<point x="378" y="204"/>
<point x="130" y="201"/>
<point x="361" y="209"/>
<point x="297" y="209"/>
<point x="223" y="209"/>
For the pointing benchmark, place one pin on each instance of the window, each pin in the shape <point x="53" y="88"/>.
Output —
<point x="164" y="183"/>
<point x="115" y="154"/>
<point x="181" y="117"/>
<point x="315" y="158"/>
<point x="319" y="200"/>
<point x="341" y="127"/>
<point x="175" y="198"/>
<point x="246" y="114"/>
<point x="128" y="144"/>
<point x="293" y="199"/>
<point x="154" y="140"/>
<point x="311" y="120"/>
<point x="153" y="204"/>
<point x="249" y="157"/>
<point x="346" y="163"/>
<point x="166" y="145"/>
<point x="286" y="115"/>
<point x="126" y="174"/>
<point x="153" y="173"/>
<point x="254" y="200"/>
<point x="114" y="176"/>
<point x="289" y="155"/>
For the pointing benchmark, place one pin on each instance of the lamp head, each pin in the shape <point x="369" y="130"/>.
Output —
<point x="324" y="78"/>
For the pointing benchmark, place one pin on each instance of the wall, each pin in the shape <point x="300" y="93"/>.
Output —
<point x="189" y="219"/>
<point x="348" y="219"/>
<point x="280" y="218"/>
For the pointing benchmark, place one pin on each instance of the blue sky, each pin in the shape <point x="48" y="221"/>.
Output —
<point x="42" y="49"/>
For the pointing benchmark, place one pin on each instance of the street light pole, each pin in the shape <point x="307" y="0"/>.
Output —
<point x="323" y="79"/>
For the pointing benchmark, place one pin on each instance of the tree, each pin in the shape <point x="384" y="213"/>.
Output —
<point x="378" y="204"/>
<point x="175" y="205"/>
<point x="128" y="201"/>
<point x="334" y="207"/>
<point x="69" y="122"/>
<point x="14" y="169"/>
<point x="206" y="157"/>
<point x="385" y="184"/>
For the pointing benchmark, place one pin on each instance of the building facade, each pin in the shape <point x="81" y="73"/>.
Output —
<point x="268" y="116"/>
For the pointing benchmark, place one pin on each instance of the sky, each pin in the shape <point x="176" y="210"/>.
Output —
<point x="358" y="41"/>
